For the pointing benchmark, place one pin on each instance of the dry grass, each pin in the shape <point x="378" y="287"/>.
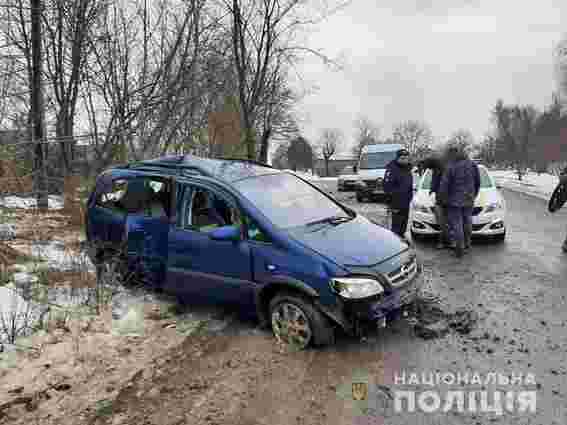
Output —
<point x="71" y="279"/>
<point x="11" y="182"/>
<point x="10" y="256"/>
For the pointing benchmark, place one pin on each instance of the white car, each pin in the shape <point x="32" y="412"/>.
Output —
<point x="489" y="211"/>
<point x="347" y="179"/>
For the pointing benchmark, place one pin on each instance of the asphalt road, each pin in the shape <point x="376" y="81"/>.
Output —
<point x="518" y="289"/>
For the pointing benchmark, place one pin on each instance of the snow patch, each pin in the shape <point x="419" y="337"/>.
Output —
<point x="59" y="258"/>
<point x="54" y="202"/>
<point x="541" y="186"/>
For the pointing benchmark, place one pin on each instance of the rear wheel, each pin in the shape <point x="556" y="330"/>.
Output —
<point x="297" y="323"/>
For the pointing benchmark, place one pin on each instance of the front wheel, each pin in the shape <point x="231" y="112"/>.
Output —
<point x="297" y="323"/>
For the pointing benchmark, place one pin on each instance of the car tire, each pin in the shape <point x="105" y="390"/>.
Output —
<point x="359" y="197"/>
<point x="415" y="236"/>
<point x="319" y="332"/>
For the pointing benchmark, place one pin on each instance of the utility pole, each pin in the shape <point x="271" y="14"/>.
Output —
<point x="40" y="177"/>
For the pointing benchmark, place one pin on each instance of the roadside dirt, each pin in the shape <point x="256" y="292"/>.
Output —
<point x="165" y="377"/>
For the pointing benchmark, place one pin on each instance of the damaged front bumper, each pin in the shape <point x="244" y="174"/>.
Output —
<point x="356" y="316"/>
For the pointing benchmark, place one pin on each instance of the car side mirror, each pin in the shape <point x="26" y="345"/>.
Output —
<point x="226" y="233"/>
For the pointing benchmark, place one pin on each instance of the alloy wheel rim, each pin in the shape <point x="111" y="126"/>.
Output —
<point x="291" y="326"/>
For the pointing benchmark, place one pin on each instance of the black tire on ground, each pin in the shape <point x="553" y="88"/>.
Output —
<point x="322" y="331"/>
<point x="359" y="197"/>
<point x="415" y="236"/>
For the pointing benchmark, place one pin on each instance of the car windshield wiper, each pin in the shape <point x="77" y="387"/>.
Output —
<point x="334" y="220"/>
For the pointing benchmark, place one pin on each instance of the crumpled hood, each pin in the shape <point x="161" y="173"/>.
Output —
<point x="358" y="242"/>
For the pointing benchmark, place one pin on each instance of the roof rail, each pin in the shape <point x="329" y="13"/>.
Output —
<point x="163" y="166"/>
<point x="250" y="161"/>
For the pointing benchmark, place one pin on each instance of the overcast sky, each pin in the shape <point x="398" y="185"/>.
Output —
<point x="444" y="62"/>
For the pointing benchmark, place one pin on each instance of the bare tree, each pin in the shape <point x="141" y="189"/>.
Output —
<point x="265" y="36"/>
<point x="300" y="154"/>
<point x="366" y="133"/>
<point x="414" y="135"/>
<point x="463" y="139"/>
<point x="330" y="142"/>
<point x="67" y="26"/>
<point x="515" y="130"/>
<point x="280" y="159"/>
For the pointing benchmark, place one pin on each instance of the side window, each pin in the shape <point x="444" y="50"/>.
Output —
<point x="203" y="210"/>
<point x="111" y="198"/>
<point x="143" y="195"/>
<point x="255" y="233"/>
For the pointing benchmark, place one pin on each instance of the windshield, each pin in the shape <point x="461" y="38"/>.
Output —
<point x="376" y="160"/>
<point x="288" y="201"/>
<point x="485" y="180"/>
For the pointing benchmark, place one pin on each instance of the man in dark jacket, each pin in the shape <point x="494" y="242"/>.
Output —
<point x="563" y="180"/>
<point x="437" y="166"/>
<point x="458" y="190"/>
<point x="398" y="185"/>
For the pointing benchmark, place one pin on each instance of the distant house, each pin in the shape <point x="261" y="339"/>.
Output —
<point x="336" y="164"/>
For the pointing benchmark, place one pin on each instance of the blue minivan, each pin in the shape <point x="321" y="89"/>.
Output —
<point x="241" y="233"/>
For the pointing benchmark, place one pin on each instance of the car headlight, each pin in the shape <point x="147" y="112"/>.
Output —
<point x="356" y="287"/>
<point x="493" y="207"/>
<point x="421" y="208"/>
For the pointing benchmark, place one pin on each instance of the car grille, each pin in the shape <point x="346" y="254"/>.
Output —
<point x="477" y="227"/>
<point x="403" y="274"/>
<point x="475" y="211"/>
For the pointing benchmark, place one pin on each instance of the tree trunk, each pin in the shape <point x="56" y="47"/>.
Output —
<point x="264" y="146"/>
<point x="37" y="105"/>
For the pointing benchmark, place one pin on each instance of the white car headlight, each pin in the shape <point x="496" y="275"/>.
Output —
<point x="356" y="287"/>
<point x="493" y="207"/>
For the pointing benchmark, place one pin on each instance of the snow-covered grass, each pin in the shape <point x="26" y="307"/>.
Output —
<point x="541" y="186"/>
<point x="54" y="202"/>
<point x="309" y="176"/>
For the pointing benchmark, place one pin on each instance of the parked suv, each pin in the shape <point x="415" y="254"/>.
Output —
<point x="242" y="233"/>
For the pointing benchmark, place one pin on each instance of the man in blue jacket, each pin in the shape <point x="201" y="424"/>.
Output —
<point x="458" y="190"/>
<point x="398" y="185"/>
<point x="437" y="166"/>
<point x="563" y="180"/>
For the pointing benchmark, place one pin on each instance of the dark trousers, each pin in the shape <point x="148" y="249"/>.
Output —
<point x="400" y="217"/>
<point x="441" y="218"/>
<point x="460" y="225"/>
